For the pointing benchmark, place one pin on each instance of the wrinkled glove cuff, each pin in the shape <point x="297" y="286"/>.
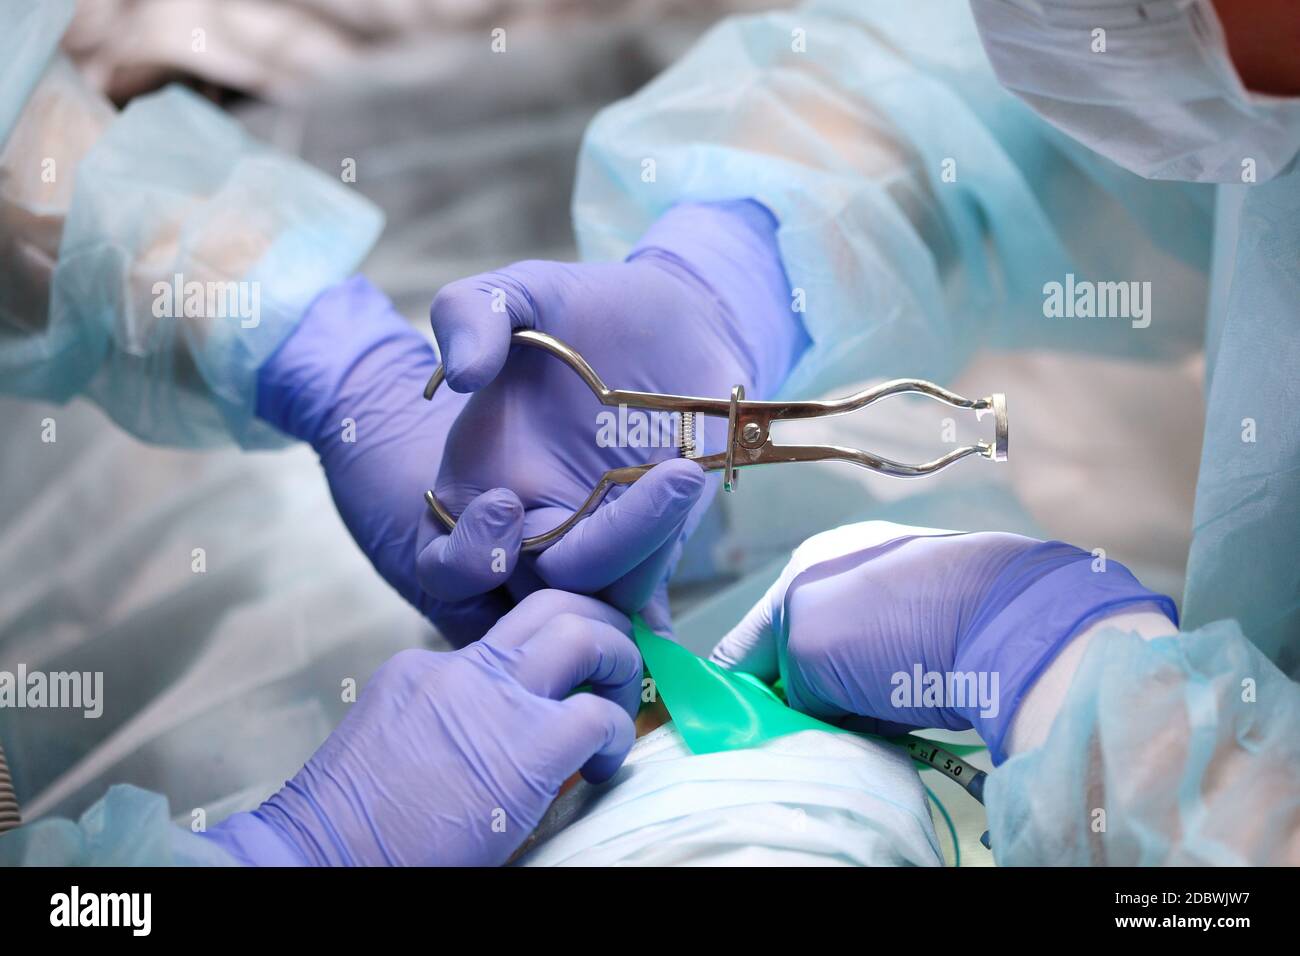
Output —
<point x="251" y="841"/>
<point x="299" y="386"/>
<point x="1039" y="602"/>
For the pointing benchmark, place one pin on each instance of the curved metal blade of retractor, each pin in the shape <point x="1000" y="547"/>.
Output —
<point x="770" y="454"/>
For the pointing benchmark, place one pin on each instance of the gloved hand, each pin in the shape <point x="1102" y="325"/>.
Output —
<point x="349" y="378"/>
<point x="452" y="758"/>
<point x="863" y="613"/>
<point x="700" y="305"/>
<point x="349" y="381"/>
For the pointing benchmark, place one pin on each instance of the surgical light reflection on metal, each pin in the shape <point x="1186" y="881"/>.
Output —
<point x="749" y="425"/>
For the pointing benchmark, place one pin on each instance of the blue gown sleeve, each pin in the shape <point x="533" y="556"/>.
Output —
<point x="151" y="260"/>
<point x="1184" y="750"/>
<point x="127" y="827"/>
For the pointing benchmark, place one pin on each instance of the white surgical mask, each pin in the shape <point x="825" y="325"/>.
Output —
<point x="1149" y="85"/>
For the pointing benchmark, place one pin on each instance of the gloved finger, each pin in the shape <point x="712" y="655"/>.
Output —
<point x="472" y="319"/>
<point x="646" y="586"/>
<point x="464" y="622"/>
<point x="751" y="644"/>
<point x="657" y="614"/>
<point x="571" y="650"/>
<point x="633" y="591"/>
<point x="533" y="613"/>
<point x="525" y="580"/>
<point x="812" y="687"/>
<point x="480" y="552"/>
<point x="592" y="733"/>
<point x="618" y="536"/>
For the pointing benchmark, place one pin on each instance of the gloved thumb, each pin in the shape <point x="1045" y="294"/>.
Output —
<point x="472" y="318"/>
<point x="480" y="552"/>
<point x="751" y="645"/>
<point x="657" y="613"/>
<point x="593" y="734"/>
<point x="626" y="543"/>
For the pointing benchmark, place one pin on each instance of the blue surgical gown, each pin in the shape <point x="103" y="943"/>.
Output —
<point x="114" y="224"/>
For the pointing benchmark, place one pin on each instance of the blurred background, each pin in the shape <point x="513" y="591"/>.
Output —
<point x="469" y="152"/>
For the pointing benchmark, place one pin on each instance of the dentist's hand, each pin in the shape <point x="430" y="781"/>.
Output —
<point x="700" y="305"/>
<point x="349" y="380"/>
<point x="860" y="610"/>
<point x="452" y="758"/>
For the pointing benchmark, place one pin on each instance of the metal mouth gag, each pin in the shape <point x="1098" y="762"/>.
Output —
<point x="748" y="431"/>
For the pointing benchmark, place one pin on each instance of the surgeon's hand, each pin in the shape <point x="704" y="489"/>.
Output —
<point x="349" y="380"/>
<point x="862" y="614"/>
<point x="700" y="305"/>
<point x="452" y="758"/>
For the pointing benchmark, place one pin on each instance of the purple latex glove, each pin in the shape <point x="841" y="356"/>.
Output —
<point x="860" y="611"/>
<point x="452" y="758"/>
<point x="349" y="381"/>
<point x="700" y="305"/>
